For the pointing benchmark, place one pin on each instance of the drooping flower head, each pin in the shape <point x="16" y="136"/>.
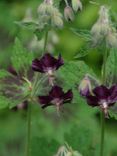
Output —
<point x="56" y="97"/>
<point x="103" y="97"/>
<point x="47" y="64"/>
<point x="85" y="86"/>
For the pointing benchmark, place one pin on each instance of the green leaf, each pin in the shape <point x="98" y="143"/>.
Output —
<point x="83" y="52"/>
<point x="85" y="34"/>
<point x="111" y="67"/>
<point x="57" y="3"/>
<point x="21" y="59"/>
<point x="39" y="33"/>
<point x="4" y="73"/>
<point x="42" y="147"/>
<point x="113" y="113"/>
<point x="4" y="102"/>
<point x="81" y="139"/>
<point x="29" y="25"/>
<point x="73" y="72"/>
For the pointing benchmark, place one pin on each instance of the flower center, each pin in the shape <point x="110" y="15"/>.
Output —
<point x="57" y="101"/>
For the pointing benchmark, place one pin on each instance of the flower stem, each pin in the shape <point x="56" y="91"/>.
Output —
<point x="66" y="2"/>
<point x="102" y="133"/>
<point x="102" y="115"/>
<point x="104" y="66"/>
<point x="28" y="148"/>
<point x="45" y="41"/>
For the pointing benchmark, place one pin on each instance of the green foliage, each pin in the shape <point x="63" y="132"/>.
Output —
<point x="4" y="102"/>
<point x="4" y="73"/>
<point x="21" y="59"/>
<point x="113" y="113"/>
<point x="57" y="3"/>
<point x="81" y="139"/>
<point x="29" y="25"/>
<point x="85" y="34"/>
<point x="43" y="147"/>
<point x="85" y="50"/>
<point x="111" y="67"/>
<point x="73" y="72"/>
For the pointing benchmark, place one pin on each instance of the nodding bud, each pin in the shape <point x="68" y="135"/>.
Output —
<point x="57" y="21"/>
<point x="101" y="28"/>
<point x="68" y="13"/>
<point x="76" y="5"/>
<point x="49" y="2"/>
<point x="111" y="39"/>
<point x="85" y="86"/>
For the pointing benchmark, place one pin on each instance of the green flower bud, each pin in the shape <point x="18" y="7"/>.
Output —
<point x="76" y="5"/>
<point x="101" y="28"/>
<point x="56" y="21"/>
<point x="42" y="9"/>
<point x="49" y="15"/>
<point x="50" y="10"/>
<point x="68" y="13"/>
<point x="85" y="86"/>
<point x="111" y="39"/>
<point x="49" y="2"/>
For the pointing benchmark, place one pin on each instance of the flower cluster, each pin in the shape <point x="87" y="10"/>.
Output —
<point x="49" y="15"/>
<point x="48" y="65"/>
<point x="100" y="96"/>
<point x="69" y="11"/>
<point x="103" y="29"/>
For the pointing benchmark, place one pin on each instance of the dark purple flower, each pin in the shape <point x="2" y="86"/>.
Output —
<point x="47" y="64"/>
<point x="103" y="97"/>
<point x="56" y="97"/>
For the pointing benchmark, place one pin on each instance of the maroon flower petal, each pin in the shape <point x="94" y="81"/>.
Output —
<point x="68" y="96"/>
<point x="37" y="66"/>
<point x="101" y="92"/>
<point x="60" y="62"/>
<point x="12" y="71"/>
<point x="92" y="101"/>
<point x="49" y="61"/>
<point x="45" y="101"/>
<point x="113" y="94"/>
<point x="56" y="92"/>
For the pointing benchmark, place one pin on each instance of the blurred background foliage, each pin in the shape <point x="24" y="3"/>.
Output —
<point x="78" y="124"/>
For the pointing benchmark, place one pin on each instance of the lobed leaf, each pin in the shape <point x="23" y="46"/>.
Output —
<point x="85" y="34"/>
<point x="21" y="59"/>
<point x="111" y="67"/>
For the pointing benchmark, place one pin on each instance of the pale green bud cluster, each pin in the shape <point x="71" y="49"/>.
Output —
<point x="67" y="151"/>
<point x="49" y="15"/>
<point x="103" y="30"/>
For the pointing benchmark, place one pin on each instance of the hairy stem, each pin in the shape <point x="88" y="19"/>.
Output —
<point x="45" y="41"/>
<point x="104" y="67"/>
<point x="102" y="133"/>
<point x="66" y="2"/>
<point x="28" y="147"/>
<point x="102" y="115"/>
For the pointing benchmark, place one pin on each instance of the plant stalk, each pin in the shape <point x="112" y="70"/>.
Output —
<point x="102" y="115"/>
<point x="35" y="84"/>
<point x="28" y="147"/>
<point x="45" y="41"/>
